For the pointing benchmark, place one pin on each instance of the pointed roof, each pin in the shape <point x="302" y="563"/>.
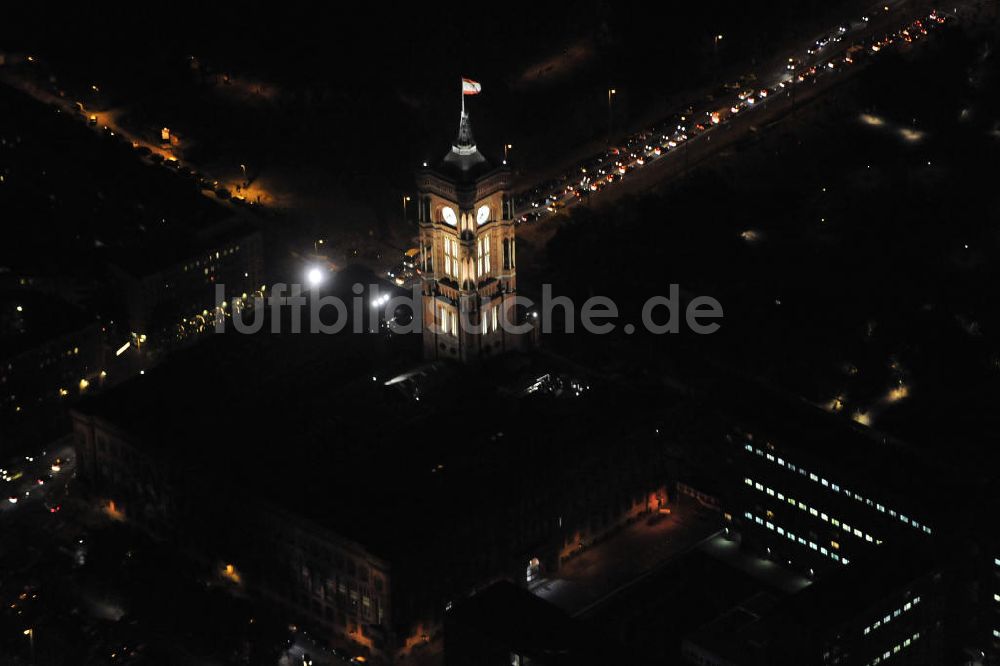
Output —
<point x="464" y="156"/>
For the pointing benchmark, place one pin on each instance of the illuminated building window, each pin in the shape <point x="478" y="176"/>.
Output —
<point x="451" y="257"/>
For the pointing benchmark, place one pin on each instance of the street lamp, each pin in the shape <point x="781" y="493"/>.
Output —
<point x="406" y="200"/>
<point x="506" y="147"/>
<point x="715" y="42"/>
<point x="611" y="94"/>
<point x="30" y="633"/>
<point x="378" y="304"/>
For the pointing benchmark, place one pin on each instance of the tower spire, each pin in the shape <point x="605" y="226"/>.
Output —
<point x="464" y="142"/>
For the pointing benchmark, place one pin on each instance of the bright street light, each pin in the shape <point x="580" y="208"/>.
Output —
<point x="315" y="276"/>
<point x="30" y="633"/>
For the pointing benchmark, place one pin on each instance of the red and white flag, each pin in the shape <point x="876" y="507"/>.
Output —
<point x="470" y="87"/>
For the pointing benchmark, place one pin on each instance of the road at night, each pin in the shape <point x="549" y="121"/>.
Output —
<point x="645" y="158"/>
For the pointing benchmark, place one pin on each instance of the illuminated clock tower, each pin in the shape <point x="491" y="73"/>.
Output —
<point x="467" y="255"/>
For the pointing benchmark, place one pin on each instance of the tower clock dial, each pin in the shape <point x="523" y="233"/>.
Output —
<point x="449" y="216"/>
<point x="483" y="215"/>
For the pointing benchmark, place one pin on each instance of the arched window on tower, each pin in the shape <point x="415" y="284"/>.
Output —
<point x="506" y="254"/>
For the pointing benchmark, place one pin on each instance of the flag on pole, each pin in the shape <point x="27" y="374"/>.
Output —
<point x="470" y="87"/>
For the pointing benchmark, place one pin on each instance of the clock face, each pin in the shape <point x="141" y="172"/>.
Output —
<point x="449" y="216"/>
<point x="483" y="215"/>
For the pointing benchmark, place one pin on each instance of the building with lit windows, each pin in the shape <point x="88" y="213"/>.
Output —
<point x="168" y="285"/>
<point x="50" y="353"/>
<point x="884" y="609"/>
<point x="468" y="256"/>
<point x="994" y="615"/>
<point x="813" y="491"/>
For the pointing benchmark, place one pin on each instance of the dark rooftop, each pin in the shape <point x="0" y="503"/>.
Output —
<point x="510" y="616"/>
<point x="376" y="460"/>
<point x="29" y="318"/>
<point x="90" y="199"/>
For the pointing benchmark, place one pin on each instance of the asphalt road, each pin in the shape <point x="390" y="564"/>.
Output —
<point x="634" y="168"/>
